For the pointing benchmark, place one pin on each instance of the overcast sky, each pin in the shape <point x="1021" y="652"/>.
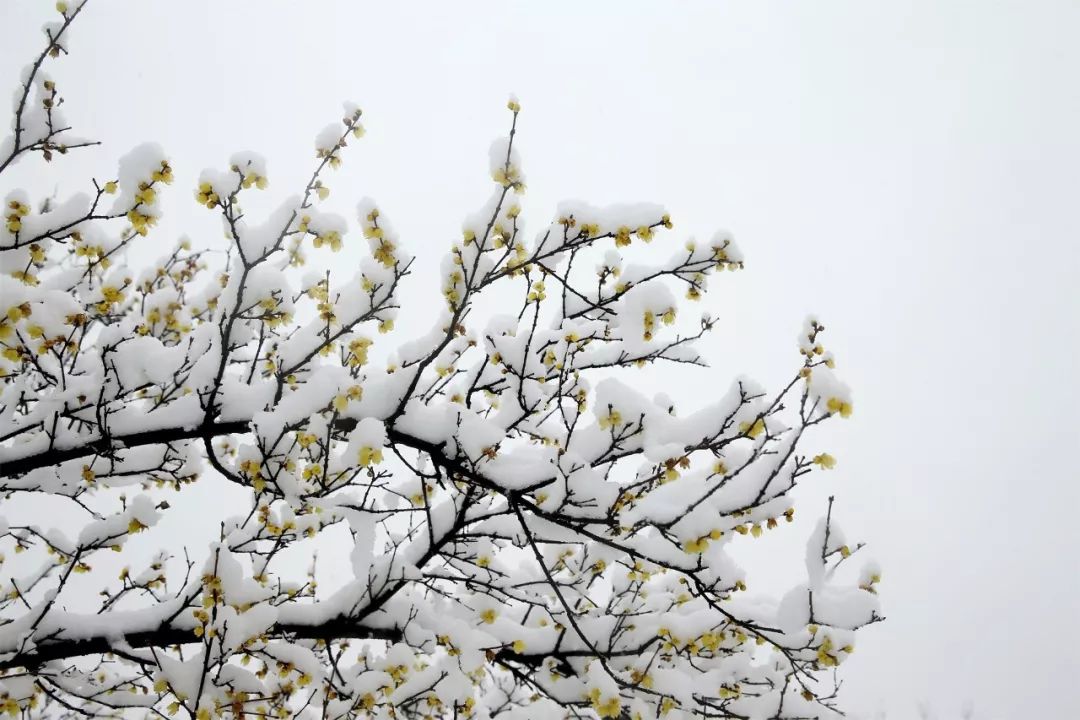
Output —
<point x="908" y="171"/>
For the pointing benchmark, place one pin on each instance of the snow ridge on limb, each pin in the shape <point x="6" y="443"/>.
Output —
<point x="525" y="537"/>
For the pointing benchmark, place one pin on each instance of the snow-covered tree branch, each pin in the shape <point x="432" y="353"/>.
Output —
<point x="529" y="536"/>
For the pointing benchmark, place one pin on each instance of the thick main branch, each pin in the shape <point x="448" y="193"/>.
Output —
<point x="112" y="443"/>
<point x="68" y="648"/>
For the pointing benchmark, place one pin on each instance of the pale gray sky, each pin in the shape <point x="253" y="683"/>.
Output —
<point x="909" y="171"/>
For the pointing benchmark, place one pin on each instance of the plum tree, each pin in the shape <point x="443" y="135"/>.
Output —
<point x="526" y="534"/>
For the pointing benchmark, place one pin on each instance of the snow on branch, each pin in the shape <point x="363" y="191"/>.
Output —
<point x="528" y="535"/>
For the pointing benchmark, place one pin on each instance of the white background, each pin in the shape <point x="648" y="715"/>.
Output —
<point x="908" y="171"/>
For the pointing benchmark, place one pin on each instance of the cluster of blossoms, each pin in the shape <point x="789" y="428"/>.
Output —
<point x="515" y="530"/>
